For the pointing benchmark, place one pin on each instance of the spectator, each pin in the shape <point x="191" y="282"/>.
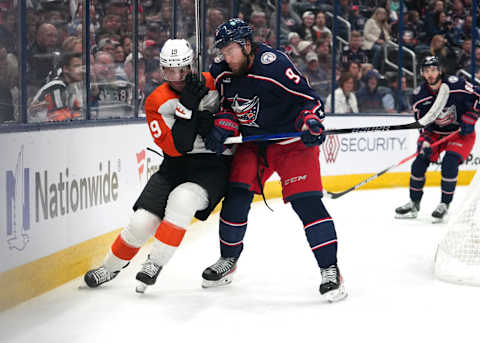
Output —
<point x="43" y="56"/>
<point x="376" y="33"/>
<point x="151" y="56"/>
<point x="354" y="70"/>
<point x="304" y="47"/>
<point x="9" y="80"/>
<point x="369" y="97"/>
<point x="392" y="103"/>
<point x="354" y="51"/>
<point x="59" y="99"/>
<point x="357" y="20"/>
<point x="305" y="29"/>
<point x="8" y="22"/>
<point x="320" y="27"/>
<point x="325" y="58"/>
<point x="345" y="99"/>
<point x="112" y="23"/>
<point x="72" y="45"/>
<point x="439" y="48"/>
<point x="262" y="33"/>
<point x="468" y="28"/>
<point x="468" y="66"/>
<point x="289" y="20"/>
<point x="316" y="76"/>
<point x="126" y="43"/>
<point x="292" y="48"/>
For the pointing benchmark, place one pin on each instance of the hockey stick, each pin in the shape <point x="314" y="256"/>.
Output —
<point x="332" y="195"/>
<point x="428" y="118"/>
<point x="198" y="39"/>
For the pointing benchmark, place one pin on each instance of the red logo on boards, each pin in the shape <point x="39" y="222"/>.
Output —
<point x="330" y="148"/>
<point x="140" y="162"/>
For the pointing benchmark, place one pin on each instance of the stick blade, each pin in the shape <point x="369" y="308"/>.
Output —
<point x="438" y="105"/>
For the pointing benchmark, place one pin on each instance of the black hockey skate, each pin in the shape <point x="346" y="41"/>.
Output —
<point x="95" y="277"/>
<point x="220" y="273"/>
<point x="440" y="212"/>
<point x="147" y="275"/>
<point x="332" y="287"/>
<point x="409" y="210"/>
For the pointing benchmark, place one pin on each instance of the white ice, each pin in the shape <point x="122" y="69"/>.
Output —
<point x="387" y="265"/>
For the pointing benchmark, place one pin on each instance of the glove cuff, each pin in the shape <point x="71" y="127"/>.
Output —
<point x="303" y="117"/>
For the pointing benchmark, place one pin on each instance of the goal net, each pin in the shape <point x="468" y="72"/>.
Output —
<point x="458" y="254"/>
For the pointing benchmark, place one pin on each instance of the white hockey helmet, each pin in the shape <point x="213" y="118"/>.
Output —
<point x="176" y="54"/>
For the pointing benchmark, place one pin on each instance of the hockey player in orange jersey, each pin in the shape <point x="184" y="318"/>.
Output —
<point x="191" y="179"/>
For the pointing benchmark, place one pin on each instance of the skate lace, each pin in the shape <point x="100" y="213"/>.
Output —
<point x="101" y="275"/>
<point x="329" y="274"/>
<point x="150" y="268"/>
<point x="223" y="264"/>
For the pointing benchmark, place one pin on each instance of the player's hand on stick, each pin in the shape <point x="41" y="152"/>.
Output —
<point x="205" y="123"/>
<point x="192" y="94"/>
<point x="312" y="131"/>
<point x="467" y="126"/>
<point x="424" y="148"/>
<point x="224" y="125"/>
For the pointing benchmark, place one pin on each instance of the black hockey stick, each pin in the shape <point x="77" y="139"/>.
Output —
<point x="428" y="118"/>
<point x="332" y="195"/>
<point x="198" y="36"/>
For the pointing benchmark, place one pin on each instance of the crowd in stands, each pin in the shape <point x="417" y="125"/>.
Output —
<point x="365" y="82"/>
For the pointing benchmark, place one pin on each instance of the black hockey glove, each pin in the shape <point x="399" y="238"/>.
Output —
<point x="205" y="122"/>
<point x="423" y="147"/>
<point x="313" y="135"/>
<point x="467" y="126"/>
<point x="225" y="125"/>
<point x="192" y="94"/>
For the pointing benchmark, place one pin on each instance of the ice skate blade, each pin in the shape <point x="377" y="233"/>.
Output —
<point x="437" y="220"/>
<point x="226" y="280"/>
<point x="405" y="216"/>
<point x="141" y="288"/>
<point x="336" y="295"/>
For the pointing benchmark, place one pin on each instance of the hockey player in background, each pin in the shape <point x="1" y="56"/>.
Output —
<point x="190" y="181"/>
<point x="460" y="113"/>
<point x="263" y="91"/>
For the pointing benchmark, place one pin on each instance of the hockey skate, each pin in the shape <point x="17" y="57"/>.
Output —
<point x="409" y="210"/>
<point x="440" y="212"/>
<point x="332" y="287"/>
<point x="147" y="275"/>
<point x="220" y="273"/>
<point x="95" y="277"/>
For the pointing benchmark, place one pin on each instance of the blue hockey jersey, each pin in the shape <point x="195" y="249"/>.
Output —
<point x="463" y="98"/>
<point x="270" y="97"/>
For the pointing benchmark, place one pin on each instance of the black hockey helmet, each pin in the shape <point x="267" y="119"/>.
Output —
<point x="431" y="61"/>
<point x="233" y="30"/>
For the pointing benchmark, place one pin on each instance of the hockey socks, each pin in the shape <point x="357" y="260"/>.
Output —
<point x="319" y="229"/>
<point x="449" y="176"/>
<point x="233" y="221"/>
<point x="417" y="178"/>
<point x="167" y="239"/>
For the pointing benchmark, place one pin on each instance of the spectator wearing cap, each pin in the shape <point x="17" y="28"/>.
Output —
<point x="376" y="33"/>
<point x="289" y="20"/>
<point x="303" y="48"/>
<point x="305" y="29"/>
<point x="356" y="19"/>
<point x="107" y="45"/>
<point x="345" y="99"/>
<point x="354" y="51"/>
<point x="151" y="56"/>
<point x="292" y="48"/>
<point x="369" y="97"/>
<point x="320" y="27"/>
<point x="316" y="76"/>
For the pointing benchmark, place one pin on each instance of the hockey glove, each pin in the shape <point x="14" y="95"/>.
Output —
<point x="205" y="122"/>
<point x="192" y="94"/>
<point x="225" y="125"/>
<point x="312" y="130"/>
<point x="467" y="126"/>
<point x="423" y="147"/>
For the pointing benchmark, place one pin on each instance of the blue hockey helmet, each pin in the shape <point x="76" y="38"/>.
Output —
<point x="233" y="30"/>
<point x="430" y="61"/>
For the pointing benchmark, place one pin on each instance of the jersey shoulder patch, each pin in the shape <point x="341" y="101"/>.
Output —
<point x="268" y="57"/>
<point x="453" y="79"/>
<point x="417" y="90"/>
<point x="218" y="58"/>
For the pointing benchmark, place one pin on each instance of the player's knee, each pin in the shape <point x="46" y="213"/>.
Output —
<point x="450" y="164"/>
<point x="183" y="202"/>
<point x="310" y="208"/>
<point x="141" y="227"/>
<point x="419" y="167"/>
<point x="236" y="205"/>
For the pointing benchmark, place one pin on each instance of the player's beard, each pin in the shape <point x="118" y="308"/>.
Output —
<point x="435" y="82"/>
<point x="243" y="67"/>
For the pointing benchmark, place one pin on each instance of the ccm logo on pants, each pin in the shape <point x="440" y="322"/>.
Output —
<point x="295" y="179"/>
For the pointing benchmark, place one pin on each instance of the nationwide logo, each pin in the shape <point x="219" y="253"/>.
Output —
<point x="140" y="162"/>
<point x="330" y="148"/>
<point x="18" y="205"/>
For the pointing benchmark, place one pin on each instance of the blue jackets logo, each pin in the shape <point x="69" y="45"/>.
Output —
<point x="18" y="205"/>
<point x="246" y="110"/>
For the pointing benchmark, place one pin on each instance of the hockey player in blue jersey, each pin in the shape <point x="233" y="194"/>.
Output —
<point x="459" y="114"/>
<point x="263" y="93"/>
